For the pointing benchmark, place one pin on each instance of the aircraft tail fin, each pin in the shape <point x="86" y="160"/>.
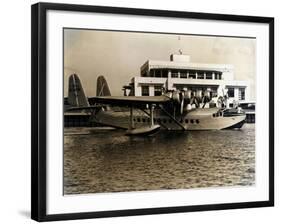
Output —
<point x="102" y="87"/>
<point x="76" y="95"/>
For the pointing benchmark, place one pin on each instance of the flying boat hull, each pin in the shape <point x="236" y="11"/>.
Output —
<point x="198" y="119"/>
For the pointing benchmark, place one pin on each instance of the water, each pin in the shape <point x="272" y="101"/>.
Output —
<point x="108" y="161"/>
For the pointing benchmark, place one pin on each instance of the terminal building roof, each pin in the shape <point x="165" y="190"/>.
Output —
<point x="183" y="62"/>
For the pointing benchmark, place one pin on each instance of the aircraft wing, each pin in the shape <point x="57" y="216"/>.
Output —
<point x="131" y="100"/>
<point x="66" y="109"/>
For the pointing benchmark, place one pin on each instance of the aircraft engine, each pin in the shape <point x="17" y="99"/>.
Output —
<point x="182" y="106"/>
<point x="207" y="94"/>
<point x="187" y="95"/>
<point x="206" y="98"/>
<point x="176" y="96"/>
<point x="199" y="95"/>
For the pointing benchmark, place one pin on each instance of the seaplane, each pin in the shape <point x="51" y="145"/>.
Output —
<point x="145" y="115"/>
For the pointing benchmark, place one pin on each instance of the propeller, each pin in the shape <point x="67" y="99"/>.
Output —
<point x="194" y="101"/>
<point x="178" y="98"/>
<point x="186" y="96"/>
<point x="182" y="103"/>
<point x="198" y="95"/>
<point x="206" y="98"/>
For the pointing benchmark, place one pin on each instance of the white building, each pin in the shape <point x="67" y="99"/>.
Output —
<point x="179" y="73"/>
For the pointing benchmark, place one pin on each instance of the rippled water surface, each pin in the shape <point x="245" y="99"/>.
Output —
<point x="108" y="161"/>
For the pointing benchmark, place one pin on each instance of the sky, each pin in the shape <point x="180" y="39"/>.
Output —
<point x="119" y="55"/>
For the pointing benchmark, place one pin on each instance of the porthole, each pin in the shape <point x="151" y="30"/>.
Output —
<point x="191" y="121"/>
<point x="186" y="120"/>
<point x="197" y="121"/>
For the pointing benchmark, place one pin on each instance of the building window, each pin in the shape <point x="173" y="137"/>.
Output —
<point x="200" y="75"/>
<point x="230" y="92"/>
<point x="209" y="75"/>
<point x="183" y="75"/>
<point x="218" y="76"/>
<point x="175" y="74"/>
<point x="241" y="94"/>
<point x="145" y="90"/>
<point x="165" y="73"/>
<point x="192" y="75"/>
<point x="158" y="73"/>
<point x="157" y="90"/>
<point x="151" y="73"/>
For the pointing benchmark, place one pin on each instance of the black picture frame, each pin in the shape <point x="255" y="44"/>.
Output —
<point x="39" y="122"/>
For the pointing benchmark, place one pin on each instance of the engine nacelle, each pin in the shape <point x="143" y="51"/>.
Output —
<point x="198" y="94"/>
<point x="187" y="95"/>
<point x="176" y="96"/>
<point x="207" y="94"/>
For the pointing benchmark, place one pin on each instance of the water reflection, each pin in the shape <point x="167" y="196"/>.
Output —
<point x="109" y="161"/>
